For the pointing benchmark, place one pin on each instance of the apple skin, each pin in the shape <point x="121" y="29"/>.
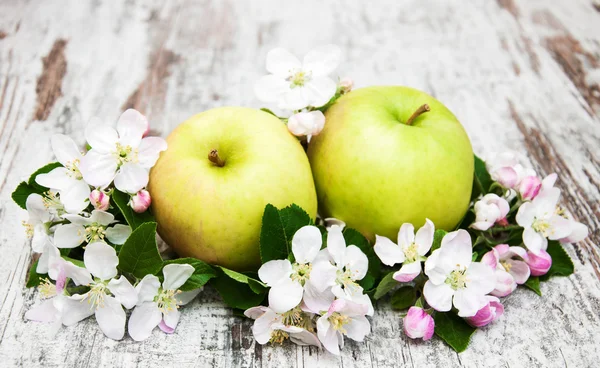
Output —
<point x="375" y="173"/>
<point x="215" y="213"/>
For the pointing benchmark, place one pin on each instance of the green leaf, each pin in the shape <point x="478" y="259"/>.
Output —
<point x="562" y="265"/>
<point x="268" y="111"/>
<point x="42" y="170"/>
<point x="203" y="272"/>
<point x="238" y="290"/>
<point x="353" y="237"/>
<point x="76" y="262"/>
<point x="386" y="285"/>
<point x="34" y="278"/>
<point x="482" y="181"/>
<point x="404" y="297"/>
<point x="533" y="283"/>
<point x="293" y="218"/>
<point x="19" y="196"/>
<point x="139" y="255"/>
<point x="134" y="219"/>
<point x="273" y="241"/>
<point x="453" y="330"/>
<point x="437" y="239"/>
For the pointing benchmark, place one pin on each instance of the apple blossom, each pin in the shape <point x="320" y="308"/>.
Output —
<point x="67" y="179"/>
<point x="539" y="263"/>
<point x="530" y="187"/>
<point x="346" y="84"/>
<point x="487" y="314"/>
<point x="90" y="229"/>
<point x="121" y="155"/>
<point x="270" y="326"/>
<point x="509" y="264"/>
<point x="107" y="295"/>
<point x="506" y="169"/>
<point x="160" y="303"/>
<point x="541" y="220"/>
<point x="50" y="309"/>
<point x="36" y="226"/>
<point x="418" y="324"/>
<point x="490" y="210"/>
<point x="343" y="317"/>
<point x="294" y="85"/>
<point x="455" y="279"/>
<point x="289" y="282"/>
<point x="306" y="124"/>
<point x="410" y="250"/>
<point x="100" y="200"/>
<point x="141" y="201"/>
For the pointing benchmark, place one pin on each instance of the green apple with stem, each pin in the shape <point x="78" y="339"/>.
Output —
<point x="392" y="155"/>
<point x="222" y="167"/>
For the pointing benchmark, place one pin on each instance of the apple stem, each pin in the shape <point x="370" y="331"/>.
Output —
<point x="213" y="157"/>
<point x="423" y="108"/>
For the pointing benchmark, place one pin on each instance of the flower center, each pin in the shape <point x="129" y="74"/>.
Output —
<point x="345" y="278"/>
<point x="541" y="226"/>
<point x="73" y="169"/>
<point x="338" y="321"/>
<point x="47" y="289"/>
<point x="278" y="336"/>
<point x="166" y="300"/>
<point x="94" y="232"/>
<point x="457" y="279"/>
<point x="52" y="202"/>
<point x="96" y="295"/>
<point x="126" y="154"/>
<point x="561" y="212"/>
<point x="410" y="253"/>
<point x="298" y="79"/>
<point x="301" y="272"/>
<point x="507" y="266"/>
<point x="29" y="229"/>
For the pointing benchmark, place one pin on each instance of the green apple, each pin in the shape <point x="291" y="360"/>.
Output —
<point x="222" y="167"/>
<point x="392" y="155"/>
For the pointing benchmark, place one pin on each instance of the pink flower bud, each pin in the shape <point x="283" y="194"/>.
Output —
<point x="141" y="201"/>
<point x="306" y="123"/>
<point x="346" y="85"/>
<point x="507" y="176"/>
<point x="418" y="324"/>
<point x="99" y="200"/>
<point x="488" y="314"/>
<point x="530" y="187"/>
<point x="540" y="263"/>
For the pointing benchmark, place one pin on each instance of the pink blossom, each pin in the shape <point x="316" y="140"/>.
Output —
<point x="488" y="314"/>
<point x="530" y="187"/>
<point x="418" y="324"/>
<point x="490" y="210"/>
<point x="540" y="263"/>
<point x="100" y="200"/>
<point x="141" y="201"/>
<point x="510" y="267"/>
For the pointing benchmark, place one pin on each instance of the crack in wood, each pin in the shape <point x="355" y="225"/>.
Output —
<point x="49" y="83"/>
<point x="510" y="6"/>
<point x="3" y="34"/>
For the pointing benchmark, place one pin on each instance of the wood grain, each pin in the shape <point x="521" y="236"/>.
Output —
<point x="520" y="75"/>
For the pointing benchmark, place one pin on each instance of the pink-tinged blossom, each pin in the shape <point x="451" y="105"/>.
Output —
<point x="454" y="279"/>
<point x="488" y="314"/>
<point x="490" y="210"/>
<point x="510" y="268"/>
<point x="410" y="250"/>
<point x="539" y="263"/>
<point x="506" y="170"/>
<point x="306" y="124"/>
<point x="270" y="326"/>
<point x="344" y="318"/>
<point x="100" y="200"/>
<point x="530" y="187"/>
<point x="141" y="201"/>
<point x="418" y="324"/>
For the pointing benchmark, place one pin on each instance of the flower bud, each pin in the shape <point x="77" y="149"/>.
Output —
<point x="530" y="187"/>
<point x="306" y="124"/>
<point x="99" y="200"/>
<point x="540" y="263"/>
<point x="141" y="201"/>
<point x="346" y="84"/>
<point x="490" y="210"/>
<point x="488" y="314"/>
<point x="418" y="324"/>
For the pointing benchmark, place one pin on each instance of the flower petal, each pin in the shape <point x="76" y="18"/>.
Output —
<point x="285" y="296"/>
<point x="322" y="275"/>
<point x="322" y="60"/>
<point x="58" y="179"/>
<point x="65" y="149"/>
<point x="102" y="138"/>
<point x="281" y="62"/>
<point x="319" y="90"/>
<point x="164" y="328"/>
<point x="468" y="302"/>
<point x="561" y="227"/>
<point x="147" y="289"/>
<point x="424" y="237"/>
<point x="79" y="275"/>
<point x="293" y="99"/>
<point x="76" y="197"/>
<point x="255" y="312"/>
<point x="275" y="272"/>
<point x="306" y="243"/>
<point x="388" y="252"/>
<point x="406" y="235"/>
<point x="102" y="217"/>
<point x="457" y="248"/>
<point x="482" y="278"/>
<point x="358" y="328"/>
<point x="526" y="214"/>
<point x="118" y="234"/>
<point x="317" y="300"/>
<point x="75" y="309"/>
<point x="36" y="209"/>
<point x="150" y="150"/>
<point x="328" y="335"/>
<point x="43" y="312"/>
<point x="519" y="271"/>
<point x="123" y="291"/>
<point x="172" y="318"/>
<point x="270" y="88"/>
<point x="131" y="178"/>
<point x="69" y="236"/>
<point x="176" y="275"/>
<point x="144" y="318"/>
<point x="336" y="245"/>
<point x="101" y="260"/>
<point x="111" y="318"/>
<point x="304" y="338"/>
<point x="356" y="261"/>
<point x="98" y="169"/>
<point x="534" y="241"/>
<point x="439" y="297"/>
<point x="262" y="327"/>
<point x="505" y="283"/>
<point x="185" y="297"/>
<point x="131" y="127"/>
<point x="408" y="272"/>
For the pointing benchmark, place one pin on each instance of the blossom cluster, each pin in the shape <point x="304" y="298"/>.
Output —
<point x="76" y="229"/>
<point x="304" y="88"/>
<point x="314" y="299"/>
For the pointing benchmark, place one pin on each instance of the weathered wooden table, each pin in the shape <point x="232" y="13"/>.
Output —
<point x="520" y="75"/>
